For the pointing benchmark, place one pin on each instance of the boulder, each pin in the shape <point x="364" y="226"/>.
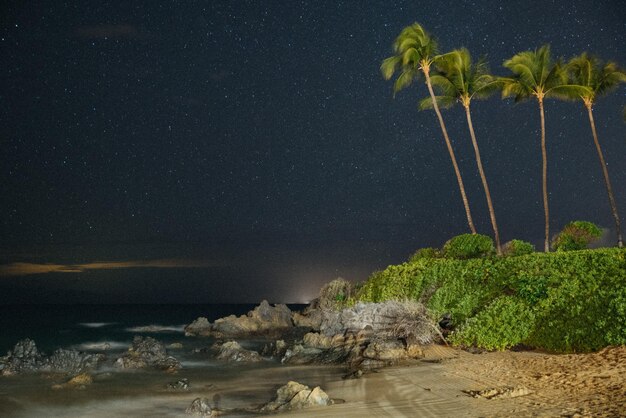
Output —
<point x="80" y="381"/>
<point x="199" y="327"/>
<point x="295" y="395"/>
<point x="72" y="362"/>
<point x="24" y="358"/>
<point x="385" y="350"/>
<point x="262" y="320"/>
<point x="147" y="353"/>
<point x="182" y="384"/>
<point x="200" y="407"/>
<point x="233" y="352"/>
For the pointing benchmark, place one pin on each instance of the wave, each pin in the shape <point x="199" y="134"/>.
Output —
<point x="95" y="324"/>
<point x="153" y="328"/>
<point x="102" y="345"/>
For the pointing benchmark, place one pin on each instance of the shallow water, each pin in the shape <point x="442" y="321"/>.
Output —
<point x="145" y="393"/>
<point x="138" y="393"/>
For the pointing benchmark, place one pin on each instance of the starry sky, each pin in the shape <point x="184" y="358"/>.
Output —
<point x="202" y="152"/>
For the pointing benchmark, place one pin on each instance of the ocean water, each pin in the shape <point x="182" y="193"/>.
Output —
<point x="56" y="326"/>
<point x="109" y="329"/>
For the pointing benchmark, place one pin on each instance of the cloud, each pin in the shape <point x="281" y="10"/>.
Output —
<point x="25" y="269"/>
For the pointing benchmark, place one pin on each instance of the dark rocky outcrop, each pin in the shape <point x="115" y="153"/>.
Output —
<point x="26" y="358"/>
<point x="147" y="353"/>
<point x="295" y="395"/>
<point x="262" y="320"/>
<point x="72" y="362"/>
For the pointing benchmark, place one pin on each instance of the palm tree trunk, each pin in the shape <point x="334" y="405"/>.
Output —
<point x="544" y="177"/>
<point x="607" y="182"/>
<point x="426" y="70"/>
<point x="492" y="213"/>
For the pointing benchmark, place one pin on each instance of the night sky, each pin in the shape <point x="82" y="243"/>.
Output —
<point x="203" y="152"/>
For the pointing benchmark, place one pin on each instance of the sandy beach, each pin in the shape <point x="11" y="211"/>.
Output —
<point x="542" y="385"/>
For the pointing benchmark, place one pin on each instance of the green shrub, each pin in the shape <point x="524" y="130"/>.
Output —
<point x="517" y="247"/>
<point x="468" y="246"/>
<point x="561" y="301"/>
<point x="502" y="324"/>
<point x="576" y="235"/>
<point x="428" y="253"/>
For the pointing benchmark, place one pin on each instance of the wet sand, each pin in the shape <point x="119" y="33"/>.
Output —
<point x="585" y="385"/>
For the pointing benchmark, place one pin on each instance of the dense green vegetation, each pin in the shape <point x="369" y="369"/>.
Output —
<point x="571" y="301"/>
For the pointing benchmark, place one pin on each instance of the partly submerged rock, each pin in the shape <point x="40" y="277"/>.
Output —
<point x="24" y="358"/>
<point x="80" y="381"/>
<point x="199" y="327"/>
<point x="232" y="351"/>
<point x="262" y="320"/>
<point x="147" y="352"/>
<point x="72" y="362"/>
<point x="295" y="395"/>
<point x="182" y="384"/>
<point x="200" y="407"/>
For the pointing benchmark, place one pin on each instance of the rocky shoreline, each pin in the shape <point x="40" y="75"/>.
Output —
<point x="360" y="339"/>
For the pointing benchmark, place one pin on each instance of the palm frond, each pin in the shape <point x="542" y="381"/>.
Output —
<point x="591" y="72"/>
<point x="568" y="92"/>
<point x="444" y="102"/>
<point x="389" y="66"/>
<point x="412" y="48"/>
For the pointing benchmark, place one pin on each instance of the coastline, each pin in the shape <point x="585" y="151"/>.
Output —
<point x="556" y="385"/>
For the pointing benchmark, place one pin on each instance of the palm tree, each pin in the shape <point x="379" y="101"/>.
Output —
<point x="415" y="51"/>
<point x="458" y="80"/>
<point x="599" y="78"/>
<point x="536" y="75"/>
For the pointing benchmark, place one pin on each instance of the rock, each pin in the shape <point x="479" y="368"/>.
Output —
<point x="80" y="381"/>
<point x="232" y="351"/>
<point x="295" y="395"/>
<point x="147" y="352"/>
<point x="311" y="319"/>
<point x="275" y="349"/>
<point x="175" y="346"/>
<point x="200" y="407"/>
<point x="24" y="358"/>
<point x="385" y="350"/>
<point x="199" y="327"/>
<point x="263" y="319"/>
<point x="182" y="384"/>
<point x="71" y="362"/>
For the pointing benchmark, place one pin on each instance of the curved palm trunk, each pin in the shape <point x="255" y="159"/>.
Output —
<point x="544" y="177"/>
<point x="492" y="213"/>
<point x="607" y="182"/>
<point x="426" y="71"/>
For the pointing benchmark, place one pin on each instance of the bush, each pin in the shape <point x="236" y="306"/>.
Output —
<point x="428" y="253"/>
<point x="504" y="323"/>
<point x="562" y="301"/>
<point x="468" y="246"/>
<point x="517" y="247"/>
<point x="576" y="235"/>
